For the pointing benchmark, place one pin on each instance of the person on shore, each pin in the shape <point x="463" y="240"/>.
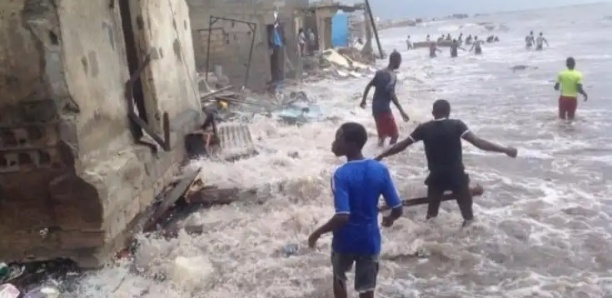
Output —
<point x="448" y="37"/>
<point x="442" y="138"/>
<point x="384" y="81"/>
<point x="302" y="42"/>
<point x="453" y="48"/>
<point x="477" y="46"/>
<point x="409" y="43"/>
<point x="570" y="83"/>
<point x="356" y="187"/>
<point x="540" y="42"/>
<point x="310" y="36"/>
<point x="433" y="49"/>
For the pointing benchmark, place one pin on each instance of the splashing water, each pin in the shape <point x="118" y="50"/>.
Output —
<point x="543" y="226"/>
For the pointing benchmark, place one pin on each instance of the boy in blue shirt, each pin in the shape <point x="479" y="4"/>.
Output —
<point x="357" y="186"/>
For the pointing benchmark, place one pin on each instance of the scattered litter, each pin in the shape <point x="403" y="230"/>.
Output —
<point x="9" y="291"/>
<point x="290" y="249"/>
<point x="48" y="290"/>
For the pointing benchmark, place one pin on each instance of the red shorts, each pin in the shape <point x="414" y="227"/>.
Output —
<point x="567" y="107"/>
<point x="385" y="125"/>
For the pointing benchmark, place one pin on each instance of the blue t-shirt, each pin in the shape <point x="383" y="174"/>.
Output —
<point x="384" y="82"/>
<point x="357" y="186"/>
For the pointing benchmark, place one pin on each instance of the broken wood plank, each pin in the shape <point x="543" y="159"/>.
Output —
<point x="475" y="191"/>
<point x="209" y="94"/>
<point x="171" y="197"/>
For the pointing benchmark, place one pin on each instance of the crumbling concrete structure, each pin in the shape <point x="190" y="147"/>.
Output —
<point x="230" y="41"/>
<point x="73" y="171"/>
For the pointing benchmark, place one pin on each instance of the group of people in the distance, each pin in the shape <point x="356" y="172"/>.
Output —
<point x="539" y="42"/>
<point x="358" y="184"/>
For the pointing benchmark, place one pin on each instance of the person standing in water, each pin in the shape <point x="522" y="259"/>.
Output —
<point x="570" y="83"/>
<point x="529" y="40"/>
<point x="427" y="38"/>
<point x="442" y="138"/>
<point x="460" y="38"/>
<point x="540" y="42"/>
<point x="453" y="48"/>
<point x="409" y="43"/>
<point x="433" y="49"/>
<point x="477" y="46"/>
<point x="384" y="81"/>
<point x="356" y="187"/>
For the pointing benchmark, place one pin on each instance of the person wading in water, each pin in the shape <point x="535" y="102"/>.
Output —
<point x="570" y="83"/>
<point x="384" y="81"/>
<point x="453" y="48"/>
<point x="442" y="138"/>
<point x="357" y="186"/>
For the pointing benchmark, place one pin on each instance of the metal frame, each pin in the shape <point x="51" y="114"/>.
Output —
<point x="252" y="26"/>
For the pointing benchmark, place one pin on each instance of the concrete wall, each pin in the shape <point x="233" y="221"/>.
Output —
<point x="69" y="165"/>
<point x="230" y="42"/>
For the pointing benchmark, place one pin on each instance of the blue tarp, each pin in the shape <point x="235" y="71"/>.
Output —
<point x="339" y="30"/>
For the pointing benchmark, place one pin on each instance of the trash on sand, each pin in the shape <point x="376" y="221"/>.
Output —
<point x="10" y="272"/>
<point x="48" y="290"/>
<point x="333" y="57"/>
<point x="9" y="291"/>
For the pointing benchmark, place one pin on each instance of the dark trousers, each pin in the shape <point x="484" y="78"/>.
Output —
<point x="458" y="183"/>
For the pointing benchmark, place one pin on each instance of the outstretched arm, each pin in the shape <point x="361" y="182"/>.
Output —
<point x="395" y="149"/>
<point x="485" y="145"/>
<point x="414" y="137"/>
<point x="558" y="82"/>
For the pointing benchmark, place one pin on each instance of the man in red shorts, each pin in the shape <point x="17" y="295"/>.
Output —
<point x="384" y="82"/>
<point x="570" y="83"/>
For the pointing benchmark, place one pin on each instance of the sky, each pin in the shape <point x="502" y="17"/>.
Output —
<point x="400" y="9"/>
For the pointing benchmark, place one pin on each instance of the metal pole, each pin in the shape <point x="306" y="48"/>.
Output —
<point x="374" y="28"/>
<point x="254" y="30"/>
<point x="210" y="23"/>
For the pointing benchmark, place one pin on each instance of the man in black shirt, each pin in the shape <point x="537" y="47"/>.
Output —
<point x="442" y="137"/>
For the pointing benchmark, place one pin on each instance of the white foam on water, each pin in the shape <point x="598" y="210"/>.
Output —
<point x="542" y="225"/>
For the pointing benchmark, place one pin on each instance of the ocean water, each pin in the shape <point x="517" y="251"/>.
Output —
<point x="543" y="224"/>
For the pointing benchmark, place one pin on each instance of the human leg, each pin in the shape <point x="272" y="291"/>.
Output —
<point x="434" y="196"/>
<point x="463" y="195"/>
<point x="366" y="274"/>
<point x="341" y="263"/>
<point x="572" y="105"/>
<point x="562" y="108"/>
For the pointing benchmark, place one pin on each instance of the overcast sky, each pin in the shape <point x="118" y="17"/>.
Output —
<point x="395" y="9"/>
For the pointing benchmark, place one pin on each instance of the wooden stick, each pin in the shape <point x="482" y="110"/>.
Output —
<point x="475" y="191"/>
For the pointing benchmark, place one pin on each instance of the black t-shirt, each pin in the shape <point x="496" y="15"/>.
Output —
<point x="442" y="139"/>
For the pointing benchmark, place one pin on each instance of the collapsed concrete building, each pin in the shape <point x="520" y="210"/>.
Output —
<point x="75" y="170"/>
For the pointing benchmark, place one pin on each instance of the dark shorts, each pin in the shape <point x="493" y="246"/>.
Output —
<point x="366" y="269"/>
<point x="457" y="182"/>
<point x="567" y="107"/>
<point x="478" y="51"/>
<point x="385" y="125"/>
<point x="539" y="47"/>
